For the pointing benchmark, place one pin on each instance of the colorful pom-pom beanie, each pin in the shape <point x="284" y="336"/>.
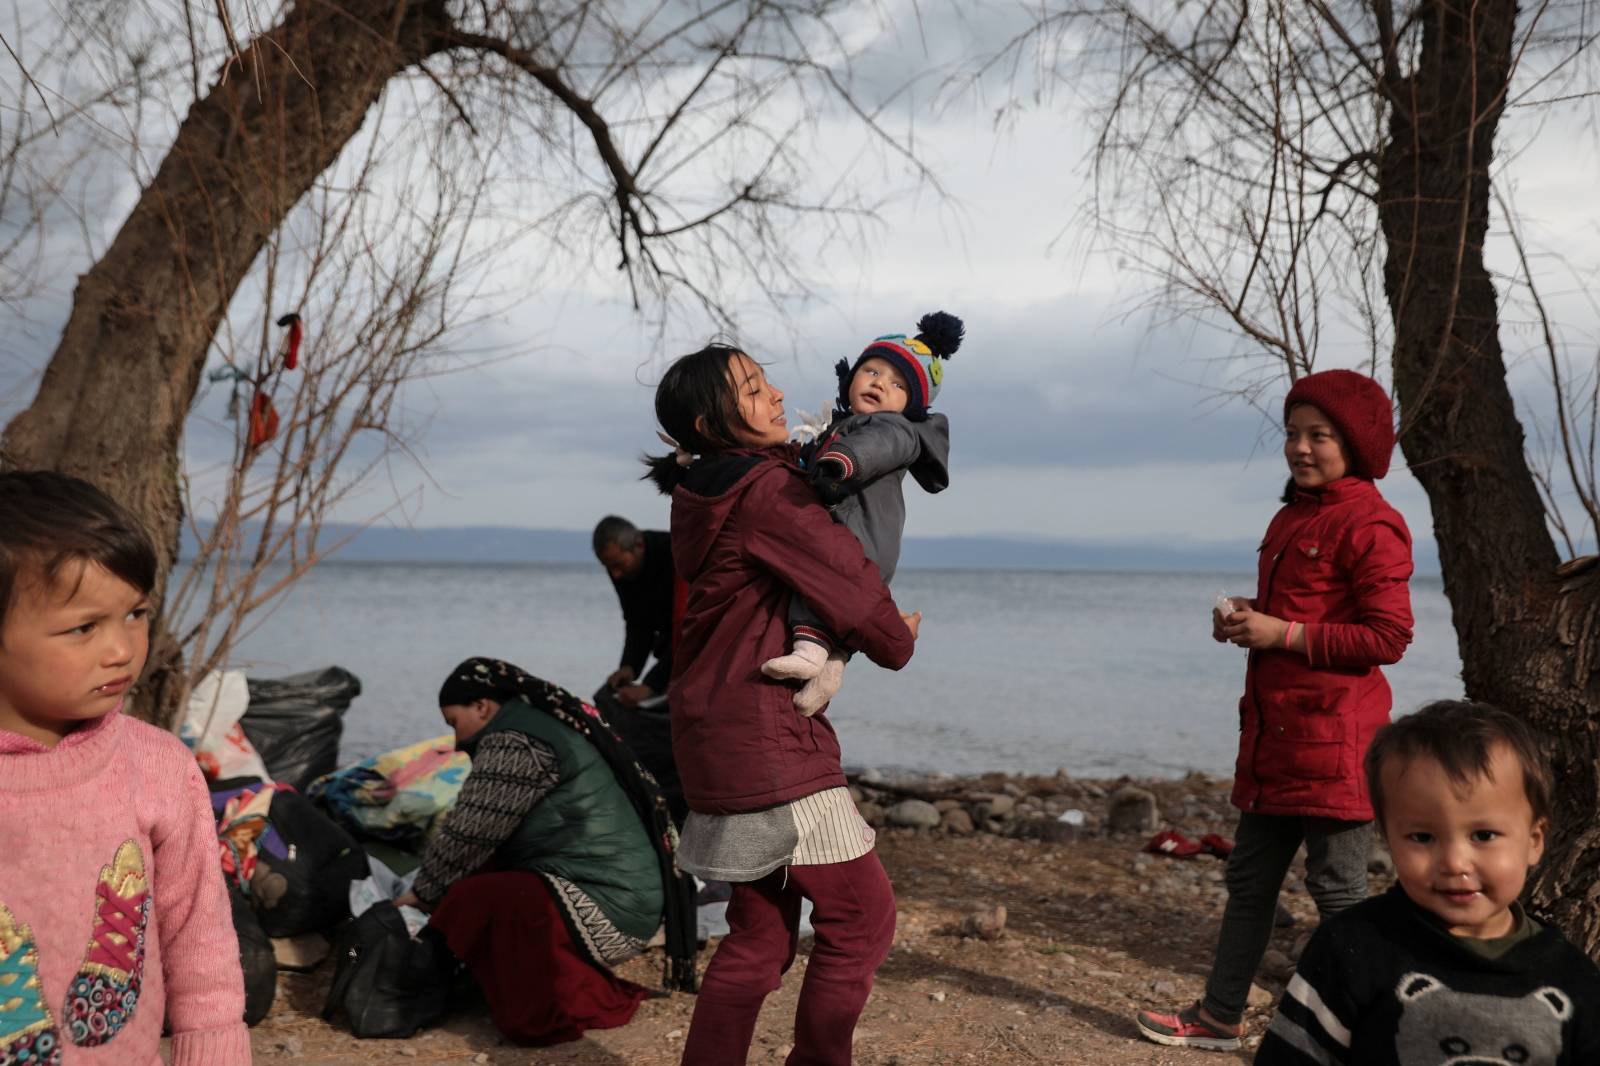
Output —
<point x="920" y="358"/>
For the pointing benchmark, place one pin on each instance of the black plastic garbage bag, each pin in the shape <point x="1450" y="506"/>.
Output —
<point x="295" y="722"/>
<point x="255" y="957"/>
<point x="306" y="889"/>
<point x="387" y="983"/>
<point x="648" y="734"/>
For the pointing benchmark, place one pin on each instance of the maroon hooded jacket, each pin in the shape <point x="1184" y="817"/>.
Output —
<point x="1339" y="561"/>
<point x="747" y="533"/>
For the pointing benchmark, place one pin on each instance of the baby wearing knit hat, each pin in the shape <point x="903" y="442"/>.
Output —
<point x="882" y="429"/>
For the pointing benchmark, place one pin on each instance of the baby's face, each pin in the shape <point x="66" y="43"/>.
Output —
<point x="877" y="385"/>
<point x="1462" y="852"/>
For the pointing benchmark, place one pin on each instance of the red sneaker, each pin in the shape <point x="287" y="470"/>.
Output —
<point x="1173" y="843"/>
<point x="1216" y="844"/>
<point x="1184" y="1029"/>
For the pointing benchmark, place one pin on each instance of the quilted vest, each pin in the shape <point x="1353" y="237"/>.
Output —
<point x="585" y="829"/>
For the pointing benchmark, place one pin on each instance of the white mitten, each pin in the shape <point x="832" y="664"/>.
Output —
<point x="815" y="694"/>
<point x="802" y="664"/>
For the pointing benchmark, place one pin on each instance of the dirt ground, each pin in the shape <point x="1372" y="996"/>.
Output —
<point x="1096" y="930"/>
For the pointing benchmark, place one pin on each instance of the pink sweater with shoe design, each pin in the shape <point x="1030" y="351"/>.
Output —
<point x="113" y="913"/>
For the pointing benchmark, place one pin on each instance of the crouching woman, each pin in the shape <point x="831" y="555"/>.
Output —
<point x="556" y="863"/>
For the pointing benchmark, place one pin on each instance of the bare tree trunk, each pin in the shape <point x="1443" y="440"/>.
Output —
<point x="113" y="400"/>
<point x="1528" y="639"/>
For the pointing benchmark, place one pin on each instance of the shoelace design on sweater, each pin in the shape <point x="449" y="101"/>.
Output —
<point x="28" y="1034"/>
<point x="103" y="994"/>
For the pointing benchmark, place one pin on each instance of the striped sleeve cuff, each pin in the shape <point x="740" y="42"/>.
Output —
<point x="840" y="456"/>
<point x="1310" y="1026"/>
<point x="813" y="634"/>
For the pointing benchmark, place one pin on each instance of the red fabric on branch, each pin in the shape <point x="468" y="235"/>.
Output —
<point x="263" y="420"/>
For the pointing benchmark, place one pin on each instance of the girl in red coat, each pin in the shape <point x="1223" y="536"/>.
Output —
<point x="768" y="806"/>
<point x="1332" y="605"/>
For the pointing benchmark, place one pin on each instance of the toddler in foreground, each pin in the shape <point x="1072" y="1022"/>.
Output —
<point x="113" y="914"/>
<point x="1446" y="967"/>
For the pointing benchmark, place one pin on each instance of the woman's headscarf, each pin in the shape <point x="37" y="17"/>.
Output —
<point x="480" y="678"/>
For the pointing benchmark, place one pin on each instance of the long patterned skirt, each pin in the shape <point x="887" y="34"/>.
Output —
<point x="542" y="986"/>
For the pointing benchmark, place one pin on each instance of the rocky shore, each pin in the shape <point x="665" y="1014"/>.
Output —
<point x="1057" y="809"/>
<point x="1027" y="934"/>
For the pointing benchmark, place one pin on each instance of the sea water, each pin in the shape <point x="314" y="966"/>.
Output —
<point x="1027" y="672"/>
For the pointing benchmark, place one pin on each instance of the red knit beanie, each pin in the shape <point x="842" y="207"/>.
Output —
<point x="1359" y="409"/>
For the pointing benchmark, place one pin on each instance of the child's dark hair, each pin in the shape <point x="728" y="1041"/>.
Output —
<point x="1460" y="735"/>
<point x="48" y="520"/>
<point x="696" y="392"/>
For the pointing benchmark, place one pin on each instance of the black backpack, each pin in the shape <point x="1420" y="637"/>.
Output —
<point x="388" y="983"/>
<point x="313" y="894"/>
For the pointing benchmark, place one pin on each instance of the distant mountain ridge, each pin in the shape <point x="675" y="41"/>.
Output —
<point x="511" y="545"/>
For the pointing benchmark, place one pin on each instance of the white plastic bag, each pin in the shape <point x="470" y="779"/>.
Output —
<point x="384" y="884"/>
<point x="211" y="728"/>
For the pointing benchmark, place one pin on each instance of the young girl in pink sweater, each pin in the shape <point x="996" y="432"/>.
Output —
<point x="113" y="914"/>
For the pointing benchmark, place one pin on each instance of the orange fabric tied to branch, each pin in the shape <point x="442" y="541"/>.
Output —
<point x="263" y="420"/>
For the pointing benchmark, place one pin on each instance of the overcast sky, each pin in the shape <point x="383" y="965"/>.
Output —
<point x="1072" y="415"/>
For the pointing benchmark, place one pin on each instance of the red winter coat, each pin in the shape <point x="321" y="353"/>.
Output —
<point x="1338" y="561"/>
<point x="747" y="533"/>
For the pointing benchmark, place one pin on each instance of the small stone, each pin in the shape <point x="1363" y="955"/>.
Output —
<point x="956" y="822"/>
<point x="290" y="1047"/>
<point x="676" y="1034"/>
<point x="914" y="814"/>
<point x="1378" y="861"/>
<point x="1052" y="830"/>
<point x="409" y="1052"/>
<point x="1001" y="805"/>
<point x="873" y="814"/>
<point x="946" y="805"/>
<point x="986" y="923"/>
<point x="1133" y="810"/>
<point x="1163" y="990"/>
<point x="1260" y="997"/>
<point x="1277" y="964"/>
<point x="1011" y="789"/>
<point x="482" y="1056"/>
<point x="1284" y="917"/>
<point x="937" y="997"/>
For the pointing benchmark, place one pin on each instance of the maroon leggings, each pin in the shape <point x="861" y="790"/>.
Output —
<point x="853" y="916"/>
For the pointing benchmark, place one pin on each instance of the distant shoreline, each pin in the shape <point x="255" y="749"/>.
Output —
<point x="511" y="546"/>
